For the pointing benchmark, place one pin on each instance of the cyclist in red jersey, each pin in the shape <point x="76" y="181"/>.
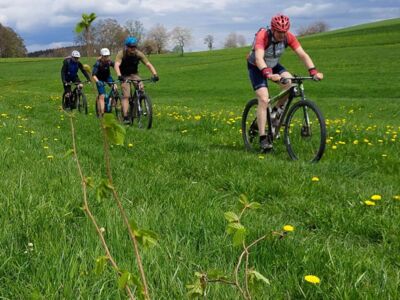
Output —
<point x="263" y="63"/>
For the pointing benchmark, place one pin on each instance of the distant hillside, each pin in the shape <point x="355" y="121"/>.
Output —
<point x="58" y="52"/>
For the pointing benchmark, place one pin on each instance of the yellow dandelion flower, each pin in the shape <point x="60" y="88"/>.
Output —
<point x="369" y="203"/>
<point x="130" y="145"/>
<point x="376" y="197"/>
<point x="355" y="142"/>
<point x="50" y="156"/>
<point x="288" y="228"/>
<point x="261" y="156"/>
<point x="197" y="118"/>
<point x="312" y="279"/>
<point x="45" y="147"/>
<point x="397" y="197"/>
<point x="315" y="178"/>
<point x="334" y="147"/>
<point x="184" y="131"/>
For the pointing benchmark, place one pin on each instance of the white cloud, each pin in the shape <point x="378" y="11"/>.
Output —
<point x="309" y="10"/>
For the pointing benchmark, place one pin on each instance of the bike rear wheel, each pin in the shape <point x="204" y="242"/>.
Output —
<point x="305" y="132"/>
<point x="250" y="127"/>
<point x="141" y="112"/>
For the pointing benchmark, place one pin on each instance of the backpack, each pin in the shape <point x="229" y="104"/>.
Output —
<point x="269" y="32"/>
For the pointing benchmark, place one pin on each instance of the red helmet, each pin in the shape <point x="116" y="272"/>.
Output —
<point x="280" y="23"/>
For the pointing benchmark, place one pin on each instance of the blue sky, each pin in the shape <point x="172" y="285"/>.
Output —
<point x="50" y="23"/>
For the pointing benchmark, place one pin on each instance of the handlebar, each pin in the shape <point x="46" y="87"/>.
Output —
<point x="296" y="79"/>
<point x="77" y="83"/>
<point x="137" y="80"/>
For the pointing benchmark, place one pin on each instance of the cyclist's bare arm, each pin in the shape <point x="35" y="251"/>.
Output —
<point x="306" y="59"/>
<point x="261" y="64"/>
<point x="117" y="64"/>
<point x="151" y="68"/>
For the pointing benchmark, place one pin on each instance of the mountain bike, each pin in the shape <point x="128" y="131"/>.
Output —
<point x="303" y="123"/>
<point x="112" y="101"/>
<point x="140" y="108"/>
<point x="76" y="98"/>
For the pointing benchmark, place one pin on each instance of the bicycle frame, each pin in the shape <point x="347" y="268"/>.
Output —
<point x="295" y="90"/>
<point x="135" y="93"/>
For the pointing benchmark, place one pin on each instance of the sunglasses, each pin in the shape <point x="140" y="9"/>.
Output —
<point x="131" y="47"/>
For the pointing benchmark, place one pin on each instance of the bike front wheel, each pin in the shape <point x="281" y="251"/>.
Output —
<point x="250" y="127"/>
<point x="142" y="112"/>
<point x="305" y="132"/>
<point x="82" y="103"/>
<point x="65" y="102"/>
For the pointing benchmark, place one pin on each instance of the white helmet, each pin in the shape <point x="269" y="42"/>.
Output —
<point x="104" y="52"/>
<point x="75" y="53"/>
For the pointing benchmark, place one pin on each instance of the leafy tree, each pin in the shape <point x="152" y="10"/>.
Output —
<point x="181" y="37"/>
<point x="11" y="44"/>
<point x="85" y="26"/>
<point x="160" y="37"/>
<point x="209" y="41"/>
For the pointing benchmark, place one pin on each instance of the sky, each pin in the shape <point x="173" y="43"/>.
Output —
<point x="45" y="24"/>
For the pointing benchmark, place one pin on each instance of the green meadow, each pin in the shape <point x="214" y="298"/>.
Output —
<point x="179" y="178"/>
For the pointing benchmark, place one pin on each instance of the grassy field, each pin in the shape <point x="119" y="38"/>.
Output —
<point x="180" y="177"/>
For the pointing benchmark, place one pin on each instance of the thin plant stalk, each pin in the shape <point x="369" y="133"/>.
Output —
<point x="88" y="211"/>
<point x="122" y="211"/>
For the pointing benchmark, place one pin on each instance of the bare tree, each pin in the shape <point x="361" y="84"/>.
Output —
<point x="313" y="28"/>
<point x="209" y="41"/>
<point x="181" y="37"/>
<point x="241" y="40"/>
<point x="233" y="40"/>
<point x="136" y="29"/>
<point x="160" y="36"/>
<point x="109" y="33"/>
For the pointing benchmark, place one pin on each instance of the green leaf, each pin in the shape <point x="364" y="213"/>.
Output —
<point x="114" y="130"/>
<point x="253" y="274"/>
<point x="123" y="280"/>
<point x="243" y="199"/>
<point x="232" y="227"/>
<point x="134" y="228"/>
<point x="101" y="262"/>
<point x="103" y="189"/>
<point x="69" y="152"/>
<point x="89" y="182"/>
<point x="239" y="236"/>
<point x="230" y="216"/>
<point x="254" y="205"/>
<point x="196" y="289"/>
<point x="216" y="274"/>
<point x="148" y="238"/>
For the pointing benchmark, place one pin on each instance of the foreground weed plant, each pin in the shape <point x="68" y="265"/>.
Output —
<point x="114" y="133"/>
<point x="250" y="276"/>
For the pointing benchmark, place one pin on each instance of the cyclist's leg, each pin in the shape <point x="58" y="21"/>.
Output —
<point x="125" y="96"/>
<point x="279" y="69"/>
<point x="67" y="97"/>
<point x="100" y="99"/>
<point x="260" y="86"/>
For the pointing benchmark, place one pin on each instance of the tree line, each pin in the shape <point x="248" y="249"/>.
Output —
<point x="91" y="35"/>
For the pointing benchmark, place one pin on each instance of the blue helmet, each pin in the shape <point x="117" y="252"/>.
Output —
<point x="131" y="41"/>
